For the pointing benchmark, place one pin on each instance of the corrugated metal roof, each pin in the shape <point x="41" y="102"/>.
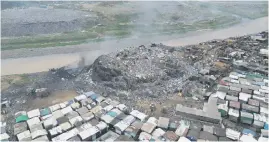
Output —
<point x="54" y="107"/>
<point x="163" y="122"/>
<point x="232" y="134"/>
<point x="231" y="98"/>
<point x="67" y="135"/>
<point x="36" y="127"/>
<point x="158" y="132"/>
<point x="72" y="114"/>
<point x="33" y="113"/>
<point x="76" y="120"/>
<point x="253" y="102"/>
<point x="246" y="114"/>
<point x="82" y="110"/>
<point x="20" y="127"/>
<point x="207" y="136"/>
<point x="80" y="97"/>
<point x="88" y="133"/>
<point x="57" y="114"/>
<point x="234" y="104"/>
<point x="170" y="135"/>
<point x="65" y="126"/>
<point x="33" y="121"/>
<point x="75" y="105"/>
<point x="139" y="115"/>
<point x="129" y="119"/>
<point x="121" y="126"/>
<point x="101" y="125"/>
<point x="87" y="116"/>
<point x="66" y="110"/>
<point x="55" y="131"/>
<point x="221" y="95"/>
<point x="38" y="133"/>
<point x="88" y="94"/>
<point x="26" y="135"/>
<point x="153" y="120"/>
<point x="148" y="127"/>
<point x="84" y="126"/>
<point x="244" y="96"/>
<point x="233" y="112"/>
<point x="144" y="136"/>
<point x="107" y="118"/>
<point x="250" y="108"/>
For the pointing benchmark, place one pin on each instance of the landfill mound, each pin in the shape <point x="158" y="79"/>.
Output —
<point x="157" y="69"/>
<point x="153" y="70"/>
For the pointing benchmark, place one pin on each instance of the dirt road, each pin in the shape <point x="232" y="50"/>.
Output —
<point x="54" y="57"/>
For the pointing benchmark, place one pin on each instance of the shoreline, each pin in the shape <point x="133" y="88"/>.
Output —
<point x="55" y="57"/>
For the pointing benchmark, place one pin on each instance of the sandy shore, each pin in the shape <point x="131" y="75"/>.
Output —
<point x="21" y="61"/>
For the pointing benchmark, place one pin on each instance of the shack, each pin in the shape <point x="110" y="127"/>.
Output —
<point x="163" y="123"/>
<point x="158" y="132"/>
<point x="72" y="114"/>
<point x="132" y="131"/>
<point x="33" y="121"/>
<point x="231" y="98"/>
<point x="120" y="127"/>
<point x="220" y="132"/>
<point x="89" y="134"/>
<point x="258" y="120"/>
<point x="141" y="116"/>
<point x="250" y="108"/>
<point x="207" y="136"/>
<point x="103" y="128"/>
<point x="148" y="127"/>
<point x="183" y="128"/>
<point x="144" y="136"/>
<point x="57" y="114"/>
<point x="234" y="104"/>
<point x="246" y="117"/>
<point x="76" y="121"/>
<point x="233" y="115"/>
<point x="232" y="134"/>
<point x="20" y="127"/>
<point x="67" y="110"/>
<point x="253" y="102"/>
<point x="82" y="110"/>
<point x="39" y="133"/>
<point x="55" y="107"/>
<point x="233" y="93"/>
<point x="243" y="97"/>
<point x="33" y="113"/>
<point x="109" y="136"/>
<point x="65" y="126"/>
<point x="87" y="116"/>
<point x="170" y="136"/>
<point x="193" y="135"/>
<point x="24" y="136"/>
<point x="223" y="109"/>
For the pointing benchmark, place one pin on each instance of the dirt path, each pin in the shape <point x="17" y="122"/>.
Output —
<point x="54" y="57"/>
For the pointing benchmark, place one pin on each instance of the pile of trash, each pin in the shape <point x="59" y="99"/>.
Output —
<point x="157" y="69"/>
<point x="148" y="70"/>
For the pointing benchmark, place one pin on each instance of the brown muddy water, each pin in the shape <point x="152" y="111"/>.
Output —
<point x="44" y="63"/>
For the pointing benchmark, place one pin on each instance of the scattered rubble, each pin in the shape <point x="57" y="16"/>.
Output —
<point x="232" y="71"/>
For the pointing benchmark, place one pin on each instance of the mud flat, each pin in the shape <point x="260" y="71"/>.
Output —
<point x="58" y="59"/>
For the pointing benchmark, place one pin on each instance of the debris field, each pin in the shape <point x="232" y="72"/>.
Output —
<point x="216" y="90"/>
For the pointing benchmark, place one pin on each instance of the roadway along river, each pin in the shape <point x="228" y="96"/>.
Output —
<point x="44" y="59"/>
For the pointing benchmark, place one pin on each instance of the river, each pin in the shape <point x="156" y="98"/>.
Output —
<point x="71" y="55"/>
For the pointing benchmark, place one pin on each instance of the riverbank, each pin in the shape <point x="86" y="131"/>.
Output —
<point x="36" y="60"/>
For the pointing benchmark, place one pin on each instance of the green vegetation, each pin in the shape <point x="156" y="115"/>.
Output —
<point x="121" y="19"/>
